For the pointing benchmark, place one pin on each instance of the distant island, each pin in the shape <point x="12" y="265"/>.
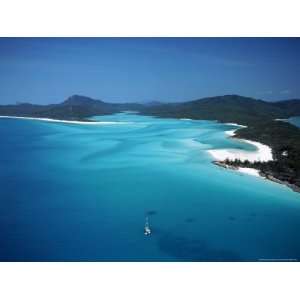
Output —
<point x="261" y="122"/>
<point x="75" y="108"/>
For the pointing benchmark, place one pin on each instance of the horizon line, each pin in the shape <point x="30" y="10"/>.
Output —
<point x="144" y="101"/>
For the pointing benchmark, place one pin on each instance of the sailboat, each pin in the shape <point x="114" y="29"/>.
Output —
<point x="147" y="230"/>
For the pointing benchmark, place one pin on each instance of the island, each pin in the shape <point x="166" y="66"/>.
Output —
<point x="259" y="122"/>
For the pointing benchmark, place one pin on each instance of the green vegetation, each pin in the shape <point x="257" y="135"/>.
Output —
<point x="230" y="108"/>
<point x="284" y="139"/>
<point x="259" y="117"/>
<point x="74" y="108"/>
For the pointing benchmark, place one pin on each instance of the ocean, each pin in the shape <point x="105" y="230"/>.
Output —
<point x="71" y="192"/>
<point x="295" y="121"/>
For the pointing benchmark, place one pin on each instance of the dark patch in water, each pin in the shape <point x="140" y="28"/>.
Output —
<point x="151" y="212"/>
<point x="253" y="215"/>
<point x="267" y="215"/>
<point x="194" y="249"/>
<point x="232" y="218"/>
<point x="189" y="220"/>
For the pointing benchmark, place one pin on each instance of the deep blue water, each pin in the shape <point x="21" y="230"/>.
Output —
<point x="81" y="192"/>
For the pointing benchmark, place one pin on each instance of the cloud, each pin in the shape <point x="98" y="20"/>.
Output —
<point x="269" y="92"/>
<point x="285" y="92"/>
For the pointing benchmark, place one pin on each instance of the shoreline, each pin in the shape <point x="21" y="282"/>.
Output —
<point x="249" y="171"/>
<point x="262" y="154"/>
<point x="63" y="121"/>
<point x="257" y="173"/>
<point x="235" y="124"/>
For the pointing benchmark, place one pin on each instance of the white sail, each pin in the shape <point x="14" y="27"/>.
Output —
<point x="147" y="230"/>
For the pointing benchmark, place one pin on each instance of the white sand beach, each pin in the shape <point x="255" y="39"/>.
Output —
<point x="63" y="121"/>
<point x="262" y="153"/>
<point x="249" y="171"/>
<point x="230" y="132"/>
<point x="235" y="124"/>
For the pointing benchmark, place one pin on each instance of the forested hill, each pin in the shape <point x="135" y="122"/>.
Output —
<point x="74" y="108"/>
<point x="290" y="107"/>
<point x="229" y="108"/>
<point x="259" y="117"/>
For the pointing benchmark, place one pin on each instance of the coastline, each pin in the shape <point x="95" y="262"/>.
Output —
<point x="262" y="154"/>
<point x="248" y="171"/>
<point x="62" y="121"/>
<point x="257" y="173"/>
<point x="235" y="124"/>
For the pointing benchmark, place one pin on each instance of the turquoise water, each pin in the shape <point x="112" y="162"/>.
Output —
<point x="81" y="193"/>
<point x="295" y="121"/>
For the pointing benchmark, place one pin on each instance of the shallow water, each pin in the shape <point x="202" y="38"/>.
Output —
<point x="81" y="193"/>
<point x="295" y="121"/>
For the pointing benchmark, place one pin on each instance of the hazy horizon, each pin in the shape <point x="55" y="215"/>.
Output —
<point x="117" y="70"/>
<point x="142" y="102"/>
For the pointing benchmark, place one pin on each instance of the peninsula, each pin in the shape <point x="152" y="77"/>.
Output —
<point x="278" y="142"/>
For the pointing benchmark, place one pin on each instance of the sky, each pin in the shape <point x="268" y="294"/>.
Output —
<point x="48" y="70"/>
